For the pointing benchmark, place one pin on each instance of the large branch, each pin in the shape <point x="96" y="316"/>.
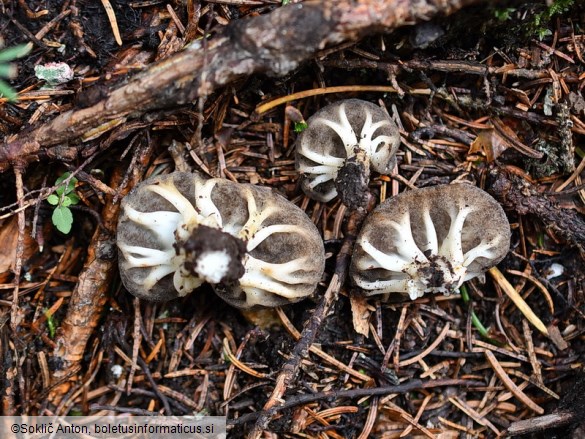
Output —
<point x="275" y="43"/>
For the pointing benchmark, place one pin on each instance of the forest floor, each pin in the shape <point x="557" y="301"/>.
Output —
<point x="489" y="96"/>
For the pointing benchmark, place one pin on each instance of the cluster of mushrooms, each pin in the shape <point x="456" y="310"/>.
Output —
<point x="256" y="248"/>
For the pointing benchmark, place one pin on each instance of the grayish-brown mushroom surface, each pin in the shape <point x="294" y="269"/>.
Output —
<point x="341" y="143"/>
<point x="179" y="230"/>
<point x="430" y="240"/>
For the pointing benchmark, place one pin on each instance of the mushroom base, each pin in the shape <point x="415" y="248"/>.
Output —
<point x="437" y="275"/>
<point x="212" y="255"/>
<point x="352" y="182"/>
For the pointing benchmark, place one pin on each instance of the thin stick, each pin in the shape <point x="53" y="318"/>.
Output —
<point x="411" y="386"/>
<point x="19" y="248"/>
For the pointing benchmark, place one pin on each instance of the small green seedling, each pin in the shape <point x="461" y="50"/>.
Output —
<point x="541" y="20"/>
<point x="504" y="14"/>
<point x="296" y="117"/>
<point x="51" y="323"/>
<point x="300" y="126"/>
<point x="483" y="331"/>
<point x="7" y="70"/>
<point x="63" y="197"/>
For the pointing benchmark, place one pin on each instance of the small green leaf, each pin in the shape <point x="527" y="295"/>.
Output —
<point x="66" y="201"/>
<point x="504" y="14"/>
<point x="62" y="219"/>
<point x="7" y="92"/>
<point x="62" y="189"/>
<point x="62" y="178"/>
<point x="73" y="198"/>
<point x="53" y="199"/>
<point x="300" y="127"/>
<point x="15" y="52"/>
<point x="51" y="324"/>
<point x="542" y="33"/>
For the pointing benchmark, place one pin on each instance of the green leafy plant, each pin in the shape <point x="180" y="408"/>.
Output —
<point x="542" y="19"/>
<point x="63" y="197"/>
<point x="542" y="33"/>
<point x="8" y="70"/>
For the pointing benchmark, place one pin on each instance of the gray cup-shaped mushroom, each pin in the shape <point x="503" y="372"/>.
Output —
<point x="179" y="230"/>
<point x="341" y="143"/>
<point x="430" y="240"/>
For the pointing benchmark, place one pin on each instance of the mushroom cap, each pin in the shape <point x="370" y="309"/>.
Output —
<point x="284" y="255"/>
<point x="430" y="240"/>
<point x="338" y="132"/>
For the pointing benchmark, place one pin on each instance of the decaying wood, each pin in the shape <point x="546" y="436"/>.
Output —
<point x="19" y="247"/>
<point x="570" y="411"/>
<point x="91" y="292"/>
<point x="87" y="301"/>
<point x="275" y="44"/>
<point x="517" y="193"/>
<point x="10" y="371"/>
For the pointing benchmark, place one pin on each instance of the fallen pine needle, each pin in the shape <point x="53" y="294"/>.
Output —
<point x="539" y="286"/>
<point x="517" y="299"/>
<point x="510" y="384"/>
<point x="263" y="108"/>
<point x="231" y="357"/>
<point x="113" y="22"/>
<point x="428" y="350"/>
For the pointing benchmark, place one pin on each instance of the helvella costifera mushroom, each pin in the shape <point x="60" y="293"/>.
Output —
<point x="341" y="143"/>
<point x="429" y="240"/>
<point x="180" y="230"/>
